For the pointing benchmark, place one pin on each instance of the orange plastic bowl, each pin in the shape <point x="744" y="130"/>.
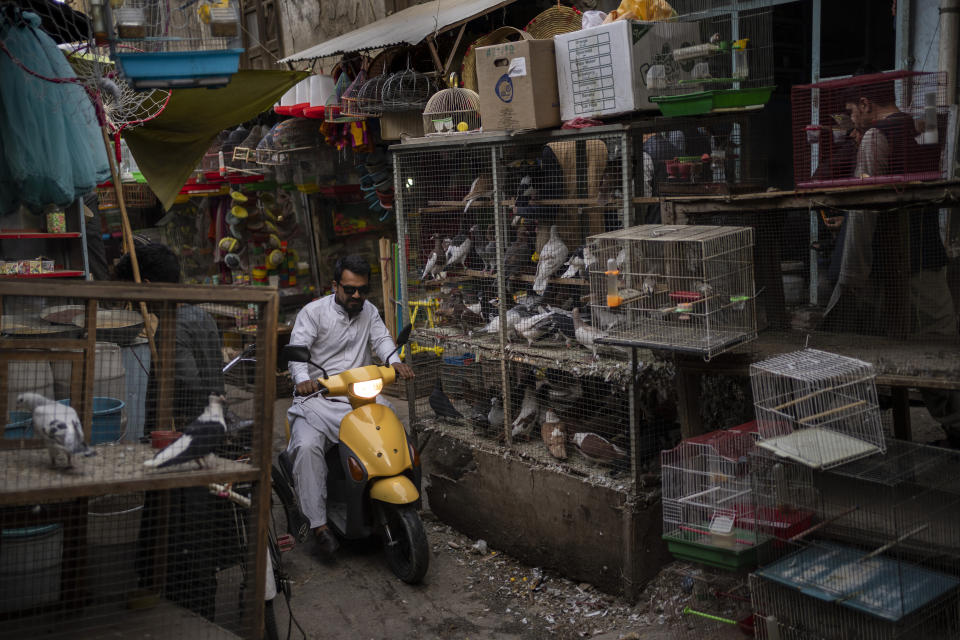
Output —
<point x="160" y="439"/>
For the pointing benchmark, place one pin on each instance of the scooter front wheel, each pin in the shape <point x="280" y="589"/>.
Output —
<point x="408" y="553"/>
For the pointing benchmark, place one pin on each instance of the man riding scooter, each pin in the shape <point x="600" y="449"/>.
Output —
<point x="341" y="330"/>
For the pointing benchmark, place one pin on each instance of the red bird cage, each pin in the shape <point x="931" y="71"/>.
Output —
<point x="877" y="128"/>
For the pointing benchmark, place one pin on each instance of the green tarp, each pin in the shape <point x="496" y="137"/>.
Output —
<point x="168" y="148"/>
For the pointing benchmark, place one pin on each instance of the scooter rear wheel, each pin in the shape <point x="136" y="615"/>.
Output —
<point x="408" y="553"/>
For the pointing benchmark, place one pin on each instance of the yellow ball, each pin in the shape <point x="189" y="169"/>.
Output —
<point x="463" y="126"/>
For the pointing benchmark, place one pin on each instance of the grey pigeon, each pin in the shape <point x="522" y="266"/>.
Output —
<point x="58" y="424"/>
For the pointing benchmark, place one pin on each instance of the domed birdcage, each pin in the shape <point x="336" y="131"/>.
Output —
<point x="452" y="110"/>
<point x="370" y="97"/>
<point x="349" y="99"/>
<point x="407" y="90"/>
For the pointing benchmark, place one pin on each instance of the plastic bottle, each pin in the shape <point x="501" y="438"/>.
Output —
<point x="613" y="293"/>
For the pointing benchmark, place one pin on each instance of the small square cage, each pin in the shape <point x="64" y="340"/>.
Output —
<point x="838" y="140"/>
<point x="817" y="408"/>
<point x="679" y="288"/>
<point x="707" y="501"/>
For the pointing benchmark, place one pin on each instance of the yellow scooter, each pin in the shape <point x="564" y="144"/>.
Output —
<point x="373" y="472"/>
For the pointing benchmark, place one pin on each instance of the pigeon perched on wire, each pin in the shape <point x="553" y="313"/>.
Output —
<point x="200" y="438"/>
<point x="529" y="408"/>
<point x="58" y="424"/>
<point x="441" y="404"/>
<point x="534" y="327"/>
<point x="481" y="188"/>
<point x="552" y="256"/>
<point x="575" y="265"/>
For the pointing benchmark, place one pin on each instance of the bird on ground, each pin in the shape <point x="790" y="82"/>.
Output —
<point x="575" y="265"/>
<point x="598" y="449"/>
<point x="200" y="438"/>
<point x="529" y="408"/>
<point x="552" y="256"/>
<point x="441" y="404"/>
<point x="432" y="268"/>
<point x="58" y="424"/>
<point x="488" y="251"/>
<point x="585" y="334"/>
<point x="481" y="188"/>
<point x="554" y="435"/>
<point x="495" y="415"/>
<point x="459" y="249"/>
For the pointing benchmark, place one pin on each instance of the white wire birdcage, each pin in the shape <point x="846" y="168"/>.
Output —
<point x="817" y="408"/>
<point x="682" y="288"/>
<point x="407" y="90"/>
<point x="452" y="110"/>
<point x="707" y="499"/>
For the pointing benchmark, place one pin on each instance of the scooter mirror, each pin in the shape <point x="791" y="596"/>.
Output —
<point x="404" y="335"/>
<point x="294" y="353"/>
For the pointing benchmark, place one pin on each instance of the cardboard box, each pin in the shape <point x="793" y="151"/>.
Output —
<point x="517" y="83"/>
<point x="602" y="71"/>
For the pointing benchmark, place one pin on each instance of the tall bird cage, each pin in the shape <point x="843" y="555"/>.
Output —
<point x="717" y="57"/>
<point x="905" y="144"/>
<point x="707" y="500"/>
<point x="817" y="408"/>
<point x="165" y="44"/>
<point x="879" y="559"/>
<point x="683" y="288"/>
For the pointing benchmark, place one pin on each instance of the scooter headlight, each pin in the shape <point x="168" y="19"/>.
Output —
<point x="367" y="388"/>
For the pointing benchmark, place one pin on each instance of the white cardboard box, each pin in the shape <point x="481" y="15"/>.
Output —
<point x="601" y="71"/>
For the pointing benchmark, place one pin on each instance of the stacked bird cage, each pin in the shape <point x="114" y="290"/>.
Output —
<point x="718" y="58"/>
<point x="707" y="499"/>
<point x="119" y="462"/>
<point x="880" y="557"/>
<point x="160" y="45"/>
<point x="817" y="408"/>
<point x="497" y="229"/>
<point x="681" y="288"/>
<point x="904" y="145"/>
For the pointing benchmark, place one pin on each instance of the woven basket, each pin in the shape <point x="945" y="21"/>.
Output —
<point x="468" y="70"/>
<point x="554" y="21"/>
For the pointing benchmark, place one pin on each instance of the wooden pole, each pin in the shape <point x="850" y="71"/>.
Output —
<point x="386" y="282"/>
<point x="127" y="236"/>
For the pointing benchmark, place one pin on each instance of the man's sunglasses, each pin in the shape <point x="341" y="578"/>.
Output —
<point x="350" y="289"/>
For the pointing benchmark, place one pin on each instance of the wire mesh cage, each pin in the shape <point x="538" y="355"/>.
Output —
<point x="869" y="129"/>
<point x="118" y="451"/>
<point x="497" y="230"/>
<point x="817" y="408"/>
<point x="683" y="288"/>
<point x="708" y="501"/>
<point x="720" y="58"/>
<point x="878" y="555"/>
<point x="370" y="97"/>
<point x="407" y="90"/>
<point x="452" y="110"/>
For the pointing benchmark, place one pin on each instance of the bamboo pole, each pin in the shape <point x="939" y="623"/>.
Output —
<point x="830" y="412"/>
<point x="128" y="236"/>
<point x="386" y="282"/>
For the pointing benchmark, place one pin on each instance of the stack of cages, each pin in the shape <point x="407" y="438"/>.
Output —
<point x="128" y="500"/>
<point x="817" y="408"/>
<point x="879" y="558"/>
<point x="680" y="288"/>
<point x="708" y="507"/>
<point x="722" y="57"/>
<point x="508" y="219"/>
<point x="839" y="139"/>
<point x="698" y="155"/>
<point x="714" y="603"/>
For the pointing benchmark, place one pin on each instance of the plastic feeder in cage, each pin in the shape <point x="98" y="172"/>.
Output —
<point x="721" y="530"/>
<point x="614" y="299"/>
<point x="222" y="18"/>
<point x="685" y="301"/>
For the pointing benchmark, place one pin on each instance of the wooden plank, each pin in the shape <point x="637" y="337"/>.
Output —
<point x="130" y="292"/>
<point x="85" y="392"/>
<point x="165" y="370"/>
<point x="386" y="282"/>
<point x="53" y="344"/>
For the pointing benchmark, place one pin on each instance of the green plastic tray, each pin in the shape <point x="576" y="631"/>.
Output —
<point x="692" y="104"/>
<point x="704" y="553"/>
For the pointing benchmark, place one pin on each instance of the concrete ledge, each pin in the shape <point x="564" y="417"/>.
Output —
<point x="544" y="516"/>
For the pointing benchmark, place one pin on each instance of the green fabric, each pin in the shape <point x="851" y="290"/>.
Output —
<point x="168" y="148"/>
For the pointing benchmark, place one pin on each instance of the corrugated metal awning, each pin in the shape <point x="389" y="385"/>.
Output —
<point x="409" y="26"/>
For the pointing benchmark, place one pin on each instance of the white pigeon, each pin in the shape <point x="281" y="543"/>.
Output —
<point x="513" y="316"/>
<point x="459" y="249"/>
<point x="575" y="265"/>
<point x="533" y="327"/>
<point x="586" y="335"/>
<point x="200" y="438"/>
<point x="432" y="269"/>
<point x="58" y="424"/>
<point x="588" y="259"/>
<point x="552" y="256"/>
<point x="523" y="424"/>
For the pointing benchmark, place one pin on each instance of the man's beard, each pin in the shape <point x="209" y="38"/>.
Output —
<point x="352" y="307"/>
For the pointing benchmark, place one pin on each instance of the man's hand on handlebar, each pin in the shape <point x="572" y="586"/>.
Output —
<point x="405" y="370"/>
<point x="307" y="387"/>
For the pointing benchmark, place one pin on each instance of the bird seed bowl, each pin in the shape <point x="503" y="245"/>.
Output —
<point x="117" y="326"/>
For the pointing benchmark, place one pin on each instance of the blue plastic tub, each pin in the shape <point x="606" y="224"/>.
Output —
<point x="30" y="564"/>
<point x="107" y="420"/>
<point x="21" y="424"/>
<point x="178" y="69"/>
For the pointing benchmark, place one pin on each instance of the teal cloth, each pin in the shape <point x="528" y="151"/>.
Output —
<point x="51" y="145"/>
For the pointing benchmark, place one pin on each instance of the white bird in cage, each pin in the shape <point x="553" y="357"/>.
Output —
<point x="523" y="424"/>
<point x="575" y="264"/>
<point x="552" y="256"/>
<point x="459" y="248"/>
<point x="58" y="424"/>
<point x="481" y="187"/>
<point x="585" y="334"/>
<point x="495" y="416"/>
<point x="534" y="327"/>
<point x="649" y="286"/>
<point x="554" y="434"/>
<point x="200" y="438"/>
<point x="432" y="268"/>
